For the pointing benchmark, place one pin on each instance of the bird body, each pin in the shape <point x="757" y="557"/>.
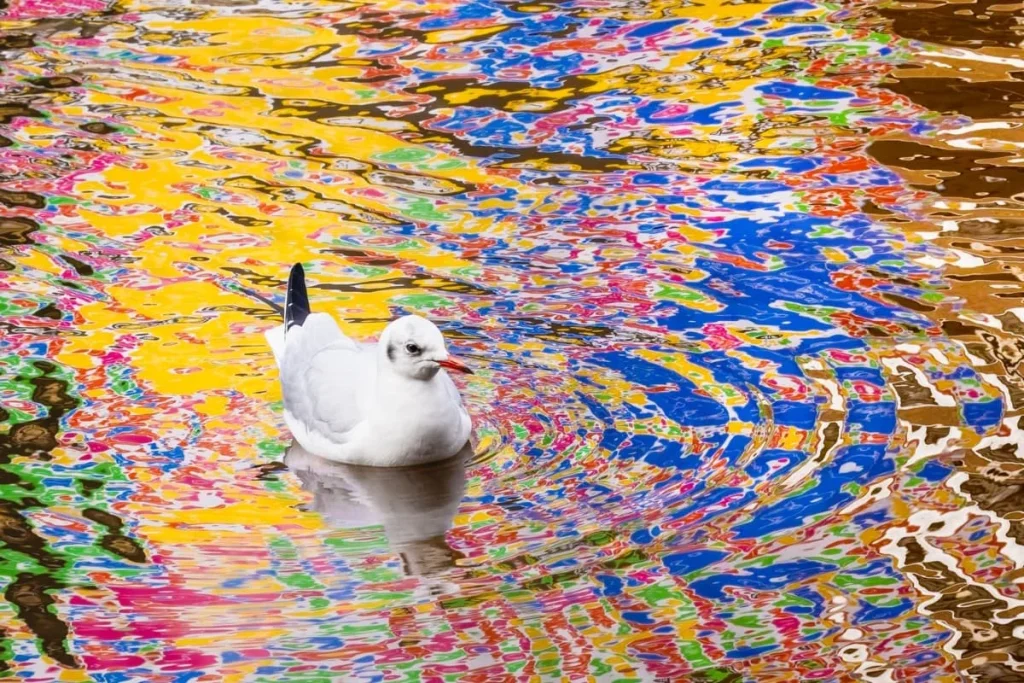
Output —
<point x="387" y="404"/>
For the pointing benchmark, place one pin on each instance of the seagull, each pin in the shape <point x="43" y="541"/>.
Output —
<point x="389" y="404"/>
<point x="416" y="505"/>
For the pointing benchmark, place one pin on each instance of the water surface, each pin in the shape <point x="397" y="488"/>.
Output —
<point x="739" y="281"/>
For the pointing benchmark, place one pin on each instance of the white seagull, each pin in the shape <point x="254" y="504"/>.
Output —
<point x="386" y="405"/>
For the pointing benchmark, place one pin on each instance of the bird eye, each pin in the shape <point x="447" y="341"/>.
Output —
<point x="413" y="349"/>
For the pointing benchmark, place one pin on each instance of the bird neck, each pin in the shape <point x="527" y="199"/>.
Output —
<point x="391" y="380"/>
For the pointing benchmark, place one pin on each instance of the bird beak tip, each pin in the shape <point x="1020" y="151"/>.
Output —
<point x="458" y="366"/>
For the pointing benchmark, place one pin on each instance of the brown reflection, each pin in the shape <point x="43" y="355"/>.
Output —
<point x="971" y="169"/>
<point x="10" y="110"/>
<point x="984" y="622"/>
<point x="990" y="23"/>
<point x="30" y="591"/>
<point x="115" y="541"/>
<point x="429" y="283"/>
<point x="409" y="282"/>
<point x="12" y="198"/>
<point x="16" y="533"/>
<point x="977" y="99"/>
<point x="98" y="128"/>
<point x="957" y="173"/>
<point x="974" y="209"/>
<point x="977" y="615"/>
<point x="418" y="117"/>
<point x="301" y="196"/>
<point x="17" y="41"/>
<point x="29" y="594"/>
<point x="83" y="269"/>
<point x="54" y="82"/>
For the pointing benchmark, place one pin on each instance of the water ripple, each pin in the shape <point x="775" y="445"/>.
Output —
<point x="737" y="281"/>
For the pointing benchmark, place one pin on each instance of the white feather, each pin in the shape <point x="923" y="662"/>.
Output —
<point x="346" y="402"/>
<point x="275" y="338"/>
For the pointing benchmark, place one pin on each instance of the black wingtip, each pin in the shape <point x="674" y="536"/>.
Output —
<point x="296" y="303"/>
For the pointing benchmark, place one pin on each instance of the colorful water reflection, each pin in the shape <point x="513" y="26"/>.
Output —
<point x="739" y="281"/>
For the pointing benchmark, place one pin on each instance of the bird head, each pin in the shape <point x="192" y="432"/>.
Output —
<point x="415" y="349"/>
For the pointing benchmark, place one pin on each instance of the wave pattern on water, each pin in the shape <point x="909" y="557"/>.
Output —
<point x="737" y="279"/>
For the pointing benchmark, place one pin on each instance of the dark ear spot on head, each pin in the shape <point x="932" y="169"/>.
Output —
<point x="391" y="352"/>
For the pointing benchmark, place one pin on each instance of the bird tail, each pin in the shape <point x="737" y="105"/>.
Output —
<point x="296" y="302"/>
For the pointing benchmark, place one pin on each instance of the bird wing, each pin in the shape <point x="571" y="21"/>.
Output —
<point x="275" y="338"/>
<point x="325" y="377"/>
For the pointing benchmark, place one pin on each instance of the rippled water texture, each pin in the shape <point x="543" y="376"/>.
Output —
<point x="741" y="282"/>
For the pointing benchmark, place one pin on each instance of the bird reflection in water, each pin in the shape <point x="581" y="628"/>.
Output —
<point x="416" y="504"/>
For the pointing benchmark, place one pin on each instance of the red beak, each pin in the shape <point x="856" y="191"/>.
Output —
<point x="452" y="364"/>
